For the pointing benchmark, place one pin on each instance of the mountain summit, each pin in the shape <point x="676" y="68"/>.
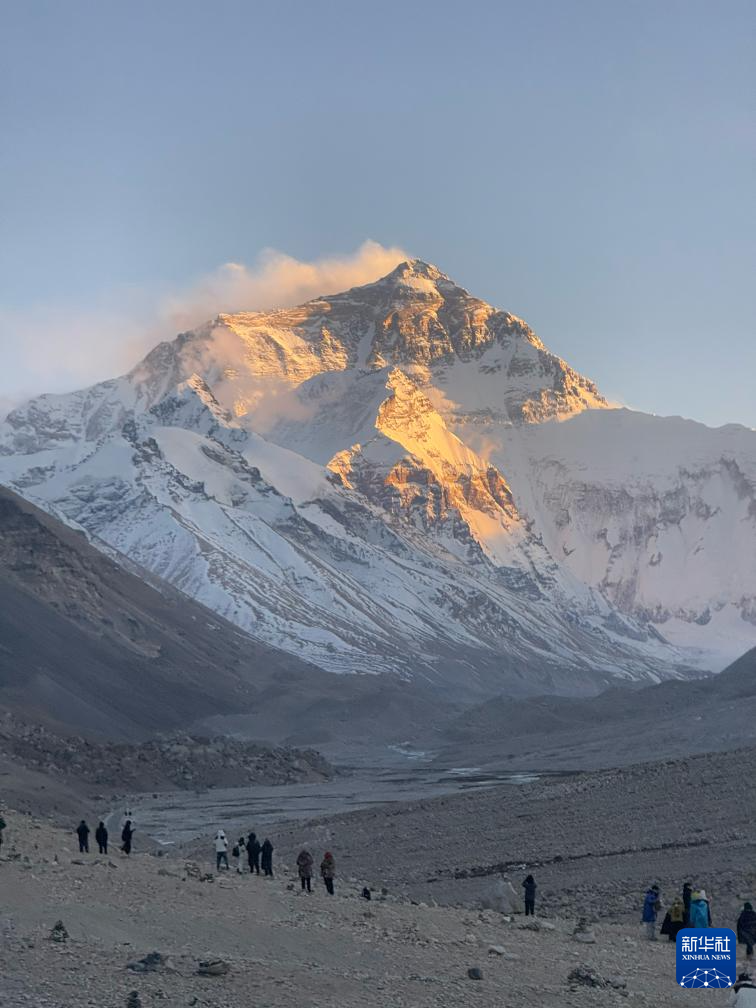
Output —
<point x="403" y="479"/>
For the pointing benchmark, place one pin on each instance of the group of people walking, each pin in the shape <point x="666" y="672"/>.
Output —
<point x="101" y="837"/>
<point x="692" y="909"/>
<point x="259" y="858"/>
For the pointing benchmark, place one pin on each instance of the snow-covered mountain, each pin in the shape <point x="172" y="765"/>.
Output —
<point x="403" y="479"/>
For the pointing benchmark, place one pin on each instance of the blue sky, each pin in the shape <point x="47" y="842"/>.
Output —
<point x="588" y="166"/>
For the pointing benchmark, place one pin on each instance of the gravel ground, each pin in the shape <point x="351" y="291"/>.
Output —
<point x="284" y="948"/>
<point x="594" y="842"/>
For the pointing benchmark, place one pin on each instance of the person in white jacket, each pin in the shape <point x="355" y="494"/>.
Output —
<point x="239" y="854"/>
<point x="221" y="850"/>
<point x="743" y="993"/>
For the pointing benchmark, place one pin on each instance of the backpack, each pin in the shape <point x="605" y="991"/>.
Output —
<point x="235" y="852"/>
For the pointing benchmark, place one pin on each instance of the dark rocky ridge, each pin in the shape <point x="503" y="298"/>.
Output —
<point x="177" y="761"/>
<point x="85" y="644"/>
<point x="617" y="727"/>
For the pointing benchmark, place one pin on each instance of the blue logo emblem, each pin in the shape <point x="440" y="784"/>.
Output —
<point x="706" y="957"/>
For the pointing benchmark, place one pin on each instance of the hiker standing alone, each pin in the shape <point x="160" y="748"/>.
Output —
<point x="651" y="906"/>
<point x="529" y="885"/>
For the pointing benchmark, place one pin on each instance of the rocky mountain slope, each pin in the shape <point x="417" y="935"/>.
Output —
<point x="86" y="644"/>
<point x="88" y="647"/>
<point x="402" y="479"/>
<point x="620" y="726"/>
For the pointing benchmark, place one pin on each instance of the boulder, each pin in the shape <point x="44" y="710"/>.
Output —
<point x="501" y="896"/>
<point x="153" y="962"/>
<point x="585" y="976"/>
<point x="59" y="933"/>
<point x="213" y="967"/>
<point x="583" y="933"/>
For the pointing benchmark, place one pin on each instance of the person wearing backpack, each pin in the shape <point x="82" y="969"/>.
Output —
<point x="238" y="854"/>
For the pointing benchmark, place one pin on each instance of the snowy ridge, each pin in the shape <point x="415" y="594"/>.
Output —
<point x="403" y="479"/>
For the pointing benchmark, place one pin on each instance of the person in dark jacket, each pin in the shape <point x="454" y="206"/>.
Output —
<point x="328" y="871"/>
<point x="82" y="831"/>
<point x="253" y="853"/>
<point x="126" y="834"/>
<point x="687" y="895"/>
<point x="101" y="836"/>
<point x="304" y="867"/>
<point x="747" y="928"/>
<point x="529" y="885"/>
<point x="674" y="919"/>
<point x="651" y="906"/>
<point x="266" y="858"/>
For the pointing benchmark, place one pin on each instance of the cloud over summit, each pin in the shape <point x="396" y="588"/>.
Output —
<point x="57" y="350"/>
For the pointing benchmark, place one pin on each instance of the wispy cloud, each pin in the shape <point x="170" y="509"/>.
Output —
<point x="277" y="280"/>
<point x="49" y="349"/>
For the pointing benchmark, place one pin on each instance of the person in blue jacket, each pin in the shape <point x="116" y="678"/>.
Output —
<point x="651" y="906"/>
<point x="700" y="910"/>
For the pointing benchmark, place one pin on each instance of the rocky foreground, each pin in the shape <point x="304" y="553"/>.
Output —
<point x="247" y="941"/>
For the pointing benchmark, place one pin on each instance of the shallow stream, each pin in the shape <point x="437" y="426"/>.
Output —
<point x="176" y="816"/>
